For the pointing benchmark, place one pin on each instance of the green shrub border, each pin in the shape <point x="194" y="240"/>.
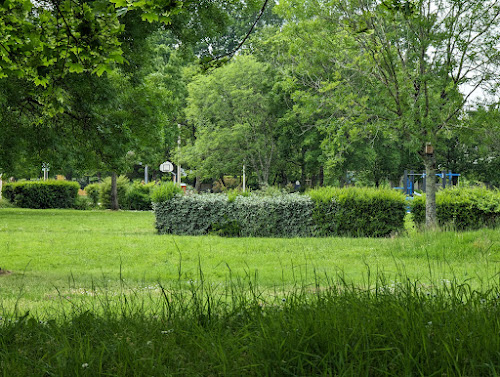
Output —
<point x="42" y="194"/>
<point x="321" y="212"/>
<point x="462" y="208"/>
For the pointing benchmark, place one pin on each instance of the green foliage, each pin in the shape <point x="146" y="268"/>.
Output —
<point x="280" y="216"/>
<point x="274" y="216"/>
<point x="42" y="194"/>
<point x="135" y="196"/>
<point x="8" y="191"/>
<point x="165" y="192"/>
<point x="325" y="212"/>
<point x="233" y="194"/>
<point x="93" y="193"/>
<point x="4" y="203"/>
<point x="228" y="133"/>
<point x="122" y="183"/>
<point x="462" y="208"/>
<point x="37" y="45"/>
<point x="193" y="215"/>
<point x="82" y="202"/>
<point x="358" y="211"/>
<point x="138" y="196"/>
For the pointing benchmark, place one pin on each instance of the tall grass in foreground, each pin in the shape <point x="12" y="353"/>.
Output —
<point x="399" y="329"/>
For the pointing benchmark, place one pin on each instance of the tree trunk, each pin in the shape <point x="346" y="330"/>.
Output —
<point x="114" y="193"/>
<point x="197" y="184"/>
<point x="430" y="191"/>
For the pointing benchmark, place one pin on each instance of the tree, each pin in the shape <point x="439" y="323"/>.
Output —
<point x="236" y="112"/>
<point x="403" y="68"/>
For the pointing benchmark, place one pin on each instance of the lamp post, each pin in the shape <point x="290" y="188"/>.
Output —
<point x="45" y="169"/>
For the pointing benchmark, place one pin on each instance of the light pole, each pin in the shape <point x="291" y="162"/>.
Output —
<point x="45" y="169"/>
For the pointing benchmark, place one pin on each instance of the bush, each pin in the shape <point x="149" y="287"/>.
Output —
<point x="165" y="192"/>
<point x="42" y="194"/>
<point x="274" y="216"/>
<point x="8" y="191"/>
<point x="138" y="196"/>
<point x="353" y="211"/>
<point x="190" y="215"/>
<point x="4" y="203"/>
<point x="324" y="212"/>
<point x="462" y="208"/>
<point x="283" y="216"/>
<point x="122" y="183"/>
<point x="93" y="193"/>
<point x="82" y="202"/>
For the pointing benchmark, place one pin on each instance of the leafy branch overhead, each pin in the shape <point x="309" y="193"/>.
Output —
<point x="47" y="39"/>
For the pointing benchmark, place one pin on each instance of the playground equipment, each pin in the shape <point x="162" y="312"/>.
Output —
<point x="410" y="178"/>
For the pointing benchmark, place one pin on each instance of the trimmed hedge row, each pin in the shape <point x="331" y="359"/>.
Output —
<point x="323" y="212"/>
<point x="364" y="212"/>
<point x="462" y="208"/>
<point x="244" y="216"/>
<point x="42" y="194"/>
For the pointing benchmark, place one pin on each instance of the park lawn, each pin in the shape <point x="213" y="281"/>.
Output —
<point x="91" y="283"/>
<point x="56" y="255"/>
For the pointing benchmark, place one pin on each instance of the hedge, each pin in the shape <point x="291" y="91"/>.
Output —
<point x="356" y="212"/>
<point x="462" y="208"/>
<point x="281" y="216"/>
<point x="365" y="212"/>
<point x="42" y="194"/>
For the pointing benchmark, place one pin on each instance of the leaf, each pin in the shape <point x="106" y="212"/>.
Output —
<point x="122" y="11"/>
<point x="150" y="17"/>
<point x="75" y="67"/>
<point x="101" y="68"/>
<point x="43" y="81"/>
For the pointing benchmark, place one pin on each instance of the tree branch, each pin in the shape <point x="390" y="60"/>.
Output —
<point x="231" y="53"/>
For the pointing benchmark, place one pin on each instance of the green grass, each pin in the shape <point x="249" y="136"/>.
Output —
<point x="62" y="249"/>
<point x="109" y="297"/>
<point x="341" y="330"/>
<point x="54" y="253"/>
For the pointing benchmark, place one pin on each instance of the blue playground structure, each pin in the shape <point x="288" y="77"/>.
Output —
<point x="410" y="178"/>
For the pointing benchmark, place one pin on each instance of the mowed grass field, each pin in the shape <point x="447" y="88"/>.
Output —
<point x="99" y="293"/>
<point x="65" y="254"/>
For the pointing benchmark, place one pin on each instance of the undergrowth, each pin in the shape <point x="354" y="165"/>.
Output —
<point x="379" y="328"/>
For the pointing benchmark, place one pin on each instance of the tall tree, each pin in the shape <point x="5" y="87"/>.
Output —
<point x="236" y="112"/>
<point x="407" y="68"/>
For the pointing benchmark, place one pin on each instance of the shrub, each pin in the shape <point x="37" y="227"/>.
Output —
<point x="357" y="211"/>
<point x="165" y="192"/>
<point x="93" y="193"/>
<point x="462" y="208"/>
<point x="233" y="194"/>
<point x="190" y="215"/>
<point x="284" y="216"/>
<point x="8" y="191"/>
<point x="274" y="216"/>
<point x="327" y="211"/>
<point x="82" y="202"/>
<point x="43" y="194"/>
<point x="4" y="203"/>
<point x="122" y="183"/>
<point x="138" y="196"/>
